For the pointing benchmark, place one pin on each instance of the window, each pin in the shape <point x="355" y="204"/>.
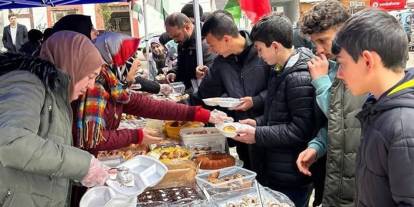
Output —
<point x="57" y="14"/>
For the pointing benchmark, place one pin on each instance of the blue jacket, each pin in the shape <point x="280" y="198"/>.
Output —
<point x="323" y="90"/>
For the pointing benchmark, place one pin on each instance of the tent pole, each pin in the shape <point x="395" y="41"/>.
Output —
<point x="198" y="32"/>
<point x="199" y="48"/>
<point x="144" y="5"/>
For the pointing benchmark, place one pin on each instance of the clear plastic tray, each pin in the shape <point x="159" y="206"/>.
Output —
<point x="222" y="102"/>
<point x="246" y="179"/>
<point x="239" y="163"/>
<point x="147" y="172"/>
<point x="249" y="197"/>
<point x="200" y="132"/>
<point x="185" y="201"/>
<point x="198" y="139"/>
<point x="178" y="87"/>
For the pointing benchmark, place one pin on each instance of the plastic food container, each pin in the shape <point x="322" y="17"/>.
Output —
<point x="245" y="179"/>
<point x="103" y="196"/>
<point x="249" y="197"/>
<point x="172" y="128"/>
<point x="239" y="163"/>
<point x="175" y="196"/>
<point x="178" y="87"/>
<point x="147" y="172"/>
<point x="203" y="139"/>
<point x="229" y="129"/>
<point x="222" y="102"/>
<point x="180" y="173"/>
<point x="96" y="197"/>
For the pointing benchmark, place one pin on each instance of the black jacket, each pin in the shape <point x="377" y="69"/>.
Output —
<point x="43" y="69"/>
<point x="287" y="124"/>
<point x="148" y="85"/>
<point x="237" y="78"/>
<point x="30" y="48"/>
<point x="187" y="61"/>
<point x="385" y="167"/>
<point x="21" y="38"/>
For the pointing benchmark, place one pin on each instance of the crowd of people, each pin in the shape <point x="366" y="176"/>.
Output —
<point x="331" y="115"/>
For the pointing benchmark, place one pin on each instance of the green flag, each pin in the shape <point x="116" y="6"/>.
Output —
<point x="233" y="7"/>
<point x="140" y="14"/>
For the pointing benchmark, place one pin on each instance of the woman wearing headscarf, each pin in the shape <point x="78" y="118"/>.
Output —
<point x="77" y="23"/>
<point x="37" y="160"/>
<point x="99" y="111"/>
<point x="157" y="58"/>
<point x="127" y="76"/>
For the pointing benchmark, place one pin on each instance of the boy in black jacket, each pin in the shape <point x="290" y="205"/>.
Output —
<point x="372" y="50"/>
<point x="288" y="121"/>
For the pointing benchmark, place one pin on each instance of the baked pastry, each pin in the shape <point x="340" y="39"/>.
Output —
<point x="215" y="160"/>
<point x="125" y="153"/>
<point x="167" y="154"/>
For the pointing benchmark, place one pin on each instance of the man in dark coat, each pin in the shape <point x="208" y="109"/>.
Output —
<point x="32" y="46"/>
<point x="372" y="50"/>
<point x="14" y="35"/>
<point x="237" y="72"/>
<point x="180" y="28"/>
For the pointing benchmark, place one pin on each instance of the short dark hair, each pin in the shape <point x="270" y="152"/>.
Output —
<point x="12" y="15"/>
<point x="205" y="15"/>
<point x="164" y="38"/>
<point x="34" y="35"/>
<point x="323" y="16"/>
<point x="225" y="12"/>
<point x="177" y="19"/>
<point x="274" y="27"/>
<point x="188" y="10"/>
<point x="218" y="24"/>
<point x="374" y="30"/>
<point x="47" y="33"/>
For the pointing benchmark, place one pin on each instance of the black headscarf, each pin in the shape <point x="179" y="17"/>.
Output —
<point x="76" y="23"/>
<point x="43" y="69"/>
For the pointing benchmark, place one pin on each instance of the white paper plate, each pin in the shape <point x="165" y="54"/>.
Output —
<point x="236" y="125"/>
<point x="222" y="102"/>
